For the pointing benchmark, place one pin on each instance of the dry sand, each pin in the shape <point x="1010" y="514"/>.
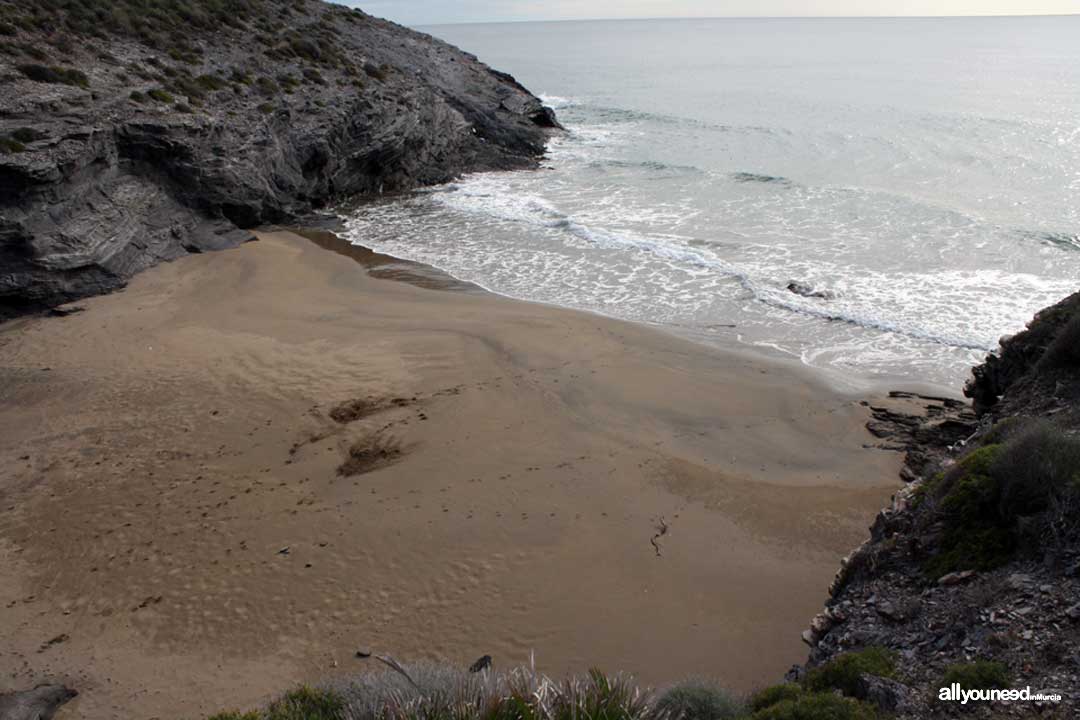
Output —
<point x="162" y="449"/>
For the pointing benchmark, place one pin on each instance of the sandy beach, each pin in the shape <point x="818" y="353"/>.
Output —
<point x="247" y="465"/>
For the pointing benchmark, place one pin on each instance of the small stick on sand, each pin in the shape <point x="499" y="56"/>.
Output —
<point x="661" y="531"/>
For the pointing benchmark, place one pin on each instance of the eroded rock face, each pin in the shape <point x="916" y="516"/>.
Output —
<point x="154" y="157"/>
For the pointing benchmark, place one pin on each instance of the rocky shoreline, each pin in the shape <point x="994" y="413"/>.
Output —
<point x="129" y="140"/>
<point x="1023" y="613"/>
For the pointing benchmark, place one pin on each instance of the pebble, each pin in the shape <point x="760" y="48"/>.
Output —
<point x="955" y="578"/>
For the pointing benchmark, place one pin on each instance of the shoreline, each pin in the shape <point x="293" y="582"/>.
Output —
<point x="519" y="457"/>
<point x="860" y="385"/>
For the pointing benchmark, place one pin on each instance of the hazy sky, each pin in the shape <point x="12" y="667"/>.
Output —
<point x="428" y="12"/>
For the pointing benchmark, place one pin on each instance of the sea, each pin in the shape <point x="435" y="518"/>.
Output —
<point x="882" y="199"/>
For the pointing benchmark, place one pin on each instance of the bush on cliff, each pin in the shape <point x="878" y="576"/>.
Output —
<point x="817" y="706"/>
<point x="967" y="500"/>
<point x="1022" y="491"/>
<point x="843" y="671"/>
<point x="1004" y="429"/>
<point x="772" y="695"/>
<point x="159" y="95"/>
<point x="978" y="675"/>
<point x="10" y="145"/>
<point x="55" y="75"/>
<point x="817" y="699"/>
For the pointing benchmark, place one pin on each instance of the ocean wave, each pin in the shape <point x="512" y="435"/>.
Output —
<point x="555" y="102"/>
<point x="650" y="165"/>
<point x="869" y="321"/>
<point x="608" y="113"/>
<point x="485" y="198"/>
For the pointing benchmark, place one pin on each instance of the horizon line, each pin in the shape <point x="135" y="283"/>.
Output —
<point x="757" y="17"/>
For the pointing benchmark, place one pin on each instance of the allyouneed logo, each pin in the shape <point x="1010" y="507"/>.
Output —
<point x="956" y="693"/>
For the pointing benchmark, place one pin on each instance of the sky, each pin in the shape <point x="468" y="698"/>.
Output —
<point x="433" y="12"/>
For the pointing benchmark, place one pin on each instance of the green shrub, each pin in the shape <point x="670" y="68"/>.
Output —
<point x="186" y="57"/>
<point x="1004" y="429"/>
<point x="159" y="95"/>
<point x="817" y="706"/>
<point x="697" y="700"/>
<point x="1039" y="464"/>
<point x="306" y="703"/>
<point x="55" y="75"/>
<point x="773" y="695"/>
<point x="183" y="107"/>
<point x="266" y="108"/>
<point x="137" y="96"/>
<point x="211" y="82"/>
<point x="967" y="495"/>
<point x="140" y="72"/>
<point x="288" y="82"/>
<point x="234" y="715"/>
<point x="978" y="675"/>
<point x="1033" y="476"/>
<point x="266" y="86"/>
<point x="306" y="48"/>
<point x="10" y="145"/>
<point x="843" y="671"/>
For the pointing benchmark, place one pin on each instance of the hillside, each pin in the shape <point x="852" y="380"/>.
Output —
<point x="137" y="131"/>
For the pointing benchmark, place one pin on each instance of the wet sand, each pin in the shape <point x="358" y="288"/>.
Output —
<point x="232" y="475"/>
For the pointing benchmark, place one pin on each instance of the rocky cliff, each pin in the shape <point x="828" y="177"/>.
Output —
<point x="973" y="574"/>
<point x="135" y="131"/>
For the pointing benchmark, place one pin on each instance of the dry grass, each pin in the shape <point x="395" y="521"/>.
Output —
<point x="429" y="691"/>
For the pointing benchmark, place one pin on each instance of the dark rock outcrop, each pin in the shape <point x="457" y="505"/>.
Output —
<point x="1020" y="368"/>
<point x="41" y="703"/>
<point x="157" y="136"/>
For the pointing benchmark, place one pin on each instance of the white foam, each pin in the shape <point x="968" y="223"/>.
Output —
<point x="555" y="102"/>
